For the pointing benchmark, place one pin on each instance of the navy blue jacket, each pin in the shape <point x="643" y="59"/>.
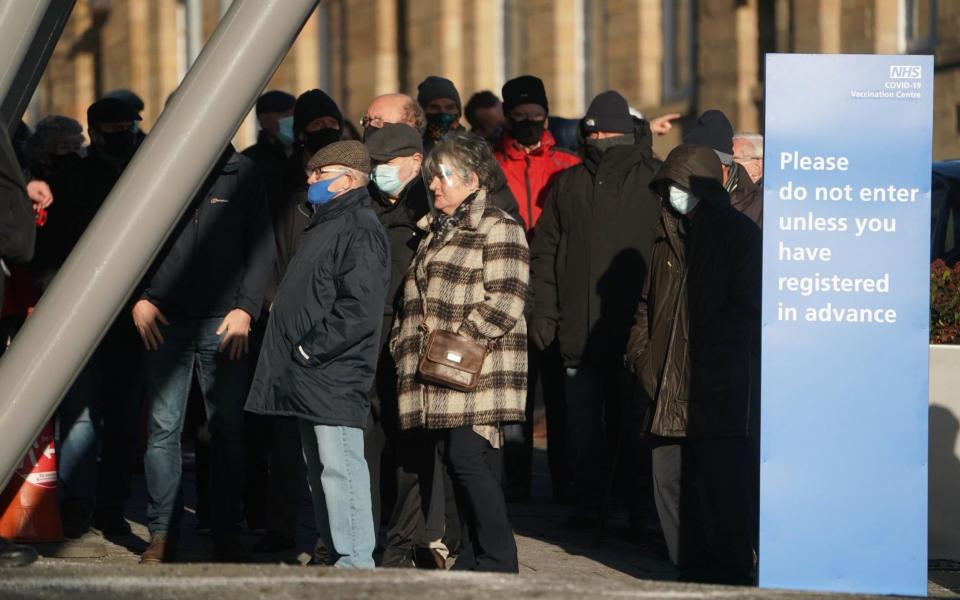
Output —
<point x="221" y="256"/>
<point x="320" y="350"/>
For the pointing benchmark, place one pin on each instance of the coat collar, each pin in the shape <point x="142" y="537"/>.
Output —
<point x="336" y="207"/>
<point x="470" y="221"/>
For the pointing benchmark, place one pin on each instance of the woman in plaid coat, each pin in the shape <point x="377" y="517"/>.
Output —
<point x="469" y="277"/>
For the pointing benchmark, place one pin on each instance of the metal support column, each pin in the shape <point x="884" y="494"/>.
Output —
<point x="28" y="33"/>
<point x="139" y="214"/>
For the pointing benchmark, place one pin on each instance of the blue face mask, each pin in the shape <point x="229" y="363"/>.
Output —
<point x="387" y="178"/>
<point x="285" y="131"/>
<point x="319" y="193"/>
<point x="681" y="200"/>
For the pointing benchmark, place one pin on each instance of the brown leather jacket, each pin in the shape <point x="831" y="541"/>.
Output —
<point x="747" y="197"/>
<point x="698" y="321"/>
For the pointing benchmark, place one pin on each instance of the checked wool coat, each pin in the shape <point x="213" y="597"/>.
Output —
<point x="473" y="281"/>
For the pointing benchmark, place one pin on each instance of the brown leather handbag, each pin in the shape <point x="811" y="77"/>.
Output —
<point x="451" y="360"/>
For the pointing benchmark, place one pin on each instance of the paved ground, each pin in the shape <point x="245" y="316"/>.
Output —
<point x="555" y="563"/>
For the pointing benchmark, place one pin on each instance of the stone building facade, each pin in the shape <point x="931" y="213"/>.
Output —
<point x="679" y="56"/>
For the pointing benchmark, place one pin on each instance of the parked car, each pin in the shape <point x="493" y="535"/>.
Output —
<point x="945" y="212"/>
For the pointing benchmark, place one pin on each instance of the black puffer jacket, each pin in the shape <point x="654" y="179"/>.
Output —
<point x="320" y="351"/>
<point x="222" y="255"/>
<point x="590" y="252"/>
<point x="698" y="323"/>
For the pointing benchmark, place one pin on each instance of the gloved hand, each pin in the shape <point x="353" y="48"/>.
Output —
<point x="543" y="332"/>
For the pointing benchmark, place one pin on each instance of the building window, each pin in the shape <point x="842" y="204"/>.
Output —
<point x="679" y="49"/>
<point x="919" y="26"/>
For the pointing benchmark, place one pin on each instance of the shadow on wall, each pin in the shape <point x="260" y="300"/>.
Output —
<point x="944" y="485"/>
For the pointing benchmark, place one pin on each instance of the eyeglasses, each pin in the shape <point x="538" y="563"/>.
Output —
<point x="368" y="121"/>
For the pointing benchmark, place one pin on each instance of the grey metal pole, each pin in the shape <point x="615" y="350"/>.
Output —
<point x="28" y="33"/>
<point x="139" y="214"/>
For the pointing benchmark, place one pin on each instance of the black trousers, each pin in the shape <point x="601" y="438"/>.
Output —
<point x="487" y="542"/>
<point x="704" y="495"/>
<point x="545" y="375"/>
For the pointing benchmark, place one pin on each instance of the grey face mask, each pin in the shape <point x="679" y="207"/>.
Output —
<point x="606" y="144"/>
<point x="594" y="150"/>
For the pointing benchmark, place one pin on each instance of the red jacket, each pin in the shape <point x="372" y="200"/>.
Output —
<point x="529" y="174"/>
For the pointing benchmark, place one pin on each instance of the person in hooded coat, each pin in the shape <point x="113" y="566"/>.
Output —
<point x="589" y="259"/>
<point x="696" y="331"/>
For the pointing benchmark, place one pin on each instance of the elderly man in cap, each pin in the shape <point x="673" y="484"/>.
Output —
<point x="714" y="130"/>
<point x="320" y="352"/>
<point x="400" y="200"/>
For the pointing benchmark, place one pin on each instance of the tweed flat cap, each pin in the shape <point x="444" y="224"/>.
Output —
<point x="350" y="153"/>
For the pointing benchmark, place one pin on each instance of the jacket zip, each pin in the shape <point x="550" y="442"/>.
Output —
<point x="526" y="177"/>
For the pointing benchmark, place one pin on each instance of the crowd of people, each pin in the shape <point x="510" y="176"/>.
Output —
<point x="376" y="313"/>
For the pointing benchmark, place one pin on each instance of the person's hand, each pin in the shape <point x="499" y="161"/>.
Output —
<point x="145" y="317"/>
<point x="663" y="125"/>
<point x="234" y="332"/>
<point x="543" y="332"/>
<point x="40" y="194"/>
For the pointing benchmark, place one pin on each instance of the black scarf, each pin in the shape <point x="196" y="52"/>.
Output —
<point x="443" y="223"/>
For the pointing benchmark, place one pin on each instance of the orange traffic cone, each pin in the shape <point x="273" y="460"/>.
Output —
<point x="30" y="505"/>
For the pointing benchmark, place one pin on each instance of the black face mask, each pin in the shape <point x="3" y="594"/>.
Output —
<point x="527" y="133"/>
<point x="61" y="161"/>
<point x="313" y="141"/>
<point x="120" y="144"/>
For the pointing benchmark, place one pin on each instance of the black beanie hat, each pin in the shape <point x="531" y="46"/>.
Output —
<point x="434" y="87"/>
<point x="275" y="101"/>
<point x="713" y="129"/>
<point x="609" y="111"/>
<point x="111" y="110"/>
<point x="525" y="89"/>
<point x="313" y="105"/>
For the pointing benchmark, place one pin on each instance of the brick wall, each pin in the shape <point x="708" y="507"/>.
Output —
<point x="137" y="45"/>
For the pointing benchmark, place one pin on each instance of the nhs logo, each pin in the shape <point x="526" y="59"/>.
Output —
<point x="905" y="72"/>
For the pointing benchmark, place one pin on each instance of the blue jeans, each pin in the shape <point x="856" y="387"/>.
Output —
<point x="78" y="433"/>
<point x="340" y="486"/>
<point x="108" y="389"/>
<point x="188" y="345"/>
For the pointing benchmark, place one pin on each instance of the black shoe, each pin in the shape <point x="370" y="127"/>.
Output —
<point x="111" y="523"/>
<point x="228" y="549"/>
<point x="76" y="520"/>
<point x="274" y="542"/>
<point x="580" y="520"/>
<point x="15" y="555"/>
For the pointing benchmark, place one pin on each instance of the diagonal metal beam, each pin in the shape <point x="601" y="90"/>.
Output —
<point x="142" y="209"/>
<point x="28" y="34"/>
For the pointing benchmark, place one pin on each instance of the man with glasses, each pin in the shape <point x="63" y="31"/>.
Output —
<point x="320" y="351"/>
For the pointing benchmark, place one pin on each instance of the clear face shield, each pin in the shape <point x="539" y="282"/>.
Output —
<point x="447" y="178"/>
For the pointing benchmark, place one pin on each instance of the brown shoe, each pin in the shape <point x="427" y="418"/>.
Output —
<point x="160" y="551"/>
